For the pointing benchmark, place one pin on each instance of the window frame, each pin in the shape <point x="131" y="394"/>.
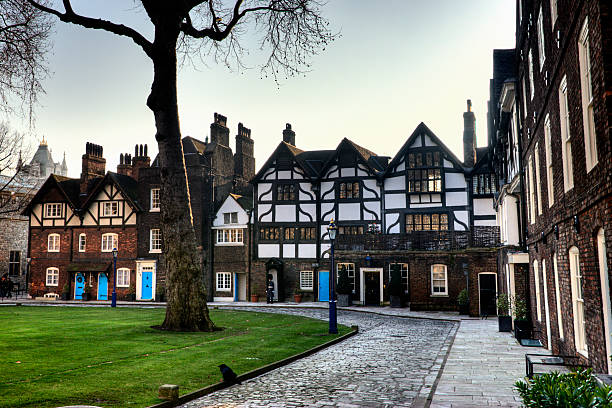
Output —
<point x="235" y="237"/>
<point x="558" y="297"/>
<point x="285" y="192"/>
<point x="445" y="270"/>
<point x="578" y="306"/>
<point x="550" y="185"/>
<point x="586" y="88"/>
<point x="566" y="137"/>
<point x="14" y="263"/>
<point x="155" y="200"/>
<point x="307" y="277"/>
<point x="538" y="295"/>
<point x="53" y="273"/>
<point x="53" y="210"/>
<point x="537" y="176"/>
<point x="541" y="40"/>
<point x="114" y="240"/>
<point x="106" y="205"/>
<point x="225" y="278"/>
<point x="350" y="272"/>
<point x="531" y="83"/>
<point x="158" y="240"/>
<point x="82" y="242"/>
<point x="404" y="275"/>
<point x="346" y="193"/>
<point x="121" y="273"/>
<point x="420" y="216"/>
<point x="56" y="240"/>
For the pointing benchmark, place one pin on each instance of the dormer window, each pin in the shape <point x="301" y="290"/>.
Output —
<point x="230" y="218"/>
<point x="110" y="209"/>
<point x="53" y="210"/>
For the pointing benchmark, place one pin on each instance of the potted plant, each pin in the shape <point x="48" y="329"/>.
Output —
<point x="504" y="320"/>
<point x="395" y="286"/>
<point x="463" y="301"/>
<point x="522" y="326"/>
<point x="255" y="293"/>
<point x="87" y="292"/>
<point x="65" y="292"/>
<point x="344" y="288"/>
<point x="132" y="292"/>
<point x="160" y="293"/>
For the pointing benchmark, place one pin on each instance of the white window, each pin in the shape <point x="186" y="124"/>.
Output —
<point x="588" y="120"/>
<point x="350" y="269"/>
<point x="306" y="280"/>
<point x="577" y="302"/>
<point x="155" y="240"/>
<point x="439" y="286"/>
<point x="541" y="43"/>
<point x="224" y="282"/>
<point x="230" y="218"/>
<point x="109" y="241"/>
<point x="532" y="191"/>
<point x="536" y="278"/>
<point x="550" y="185"/>
<point x="566" y="143"/>
<point x="537" y="175"/>
<point x="524" y="99"/>
<point x="123" y="277"/>
<point x="404" y="275"/>
<point x="230" y="236"/>
<point x="53" y="243"/>
<point x="553" y="12"/>
<point x="110" y="209"/>
<point x="558" y="297"/>
<point x="82" y="242"/>
<point x="531" y="88"/>
<point x="155" y="203"/>
<point x="53" y="210"/>
<point x="52" y="276"/>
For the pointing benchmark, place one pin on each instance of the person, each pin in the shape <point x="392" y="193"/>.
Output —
<point x="270" y="290"/>
<point x="4" y="286"/>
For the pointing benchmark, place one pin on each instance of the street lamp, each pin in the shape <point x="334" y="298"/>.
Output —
<point x="333" y="323"/>
<point x="114" y="298"/>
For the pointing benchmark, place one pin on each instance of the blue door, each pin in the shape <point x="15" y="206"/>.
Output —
<point x="323" y="286"/>
<point x="102" y="287"/>
<point x="79" y="285"/>
<point x="146" y="290"/>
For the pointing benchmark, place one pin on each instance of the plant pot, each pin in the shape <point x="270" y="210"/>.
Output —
<point x="504" y="323"/>
<point x="297" y="298"/>
<point x="343" y="300"/>
<point x="396" y="301"/>
<point x="131" y="297"/>
<point x="254" y="298"/>
<point x="464" y="309"/>
<point x="522" y="329"/>
<point x="65" y="296"/>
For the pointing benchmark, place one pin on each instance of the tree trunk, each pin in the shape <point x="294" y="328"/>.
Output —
<point x="186" y="294"/>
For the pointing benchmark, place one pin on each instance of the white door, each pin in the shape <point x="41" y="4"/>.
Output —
<point x="605" y="294"/>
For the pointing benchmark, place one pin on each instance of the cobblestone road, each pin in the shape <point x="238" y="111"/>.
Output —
<point x="392" y="362"/>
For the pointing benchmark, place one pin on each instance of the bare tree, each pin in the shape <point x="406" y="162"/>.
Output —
<point x="24" y="41"/>
<point x="16" y="185"/>
<point x="291" y="31"/>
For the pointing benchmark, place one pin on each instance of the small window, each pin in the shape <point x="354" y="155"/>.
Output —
<point x="52" y="276"/>
<point x="308" y="233"/>
<point x="531" y="86"/>
<point x="155" y="203"/>
<point x="53" y="210"/>
<point x="426" y="222"/>
<point x="155" y="240"/>
<point x="566" y="142"/>
<point x="306" y="280"/>
<point x="349" y="190"/>
<point x="269" y="234"/>
<point x="230" y="236"/>
<point x="350" y="230"/>
<point x="110" y="209"/>
<point x="350" y="269"/>
<point x="53" y="243"/>
<point x="404" y="271"/>
<point x="82" y="242"/>
<point x="285" y="192"/>
<point x="14" y="263"/>
<point x="289" y="233"/>
<point x="123" y="278"/>
<point x="424" y="181"/>
<point x="578" y="302"/>
<point x="230" y="218"/>
<point x="224" y="282"/>
<point x="439" y="286"/>
<point x="109" y="241"/>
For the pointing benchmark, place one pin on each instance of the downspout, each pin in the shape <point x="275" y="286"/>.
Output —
<point x="249" y="251"/>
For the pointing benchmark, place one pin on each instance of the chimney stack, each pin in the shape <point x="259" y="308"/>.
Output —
<point x="140" y="160"/>
<point x="94" y="165"/>
<point x="469" y="136"/>
<point x="244" y="160"/>
<point x="219" y="133"/>
<point x="289" y="135"/>
<point x="125" y="164"/>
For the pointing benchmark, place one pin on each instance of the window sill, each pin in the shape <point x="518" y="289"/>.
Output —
<point x="123" y="286"/>
<point x="155" y="251"/>
<point x="154" y="210"/>
<point x="229" y="244"/>
<point x="52" y="250"/>
<point x="224" y="290"/>
<point x="583" y="353"/>
<point x="439" y="295"/>
<point x="52" y="285"/>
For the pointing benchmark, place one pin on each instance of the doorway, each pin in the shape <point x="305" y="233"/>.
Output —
<point x="487" y="284"/>
<point x="274" y="274"/>
<point x="79" y="286"/>
<point x="102" y="286"/>
<point x="240" y="287"/>
<point x="372" y="286"/>
<point x="323" y="286"/>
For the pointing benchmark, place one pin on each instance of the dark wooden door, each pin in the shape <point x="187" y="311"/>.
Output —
<point x="372" y="288"/>
<point x="487" y="294"/>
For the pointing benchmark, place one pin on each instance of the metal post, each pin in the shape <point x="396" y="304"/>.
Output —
<point x="333" y="323"/>
<point x="114" y="296"/>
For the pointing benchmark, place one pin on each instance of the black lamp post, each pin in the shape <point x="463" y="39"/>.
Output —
<point x="114" y="297"/>
<point x="333" y="323"/>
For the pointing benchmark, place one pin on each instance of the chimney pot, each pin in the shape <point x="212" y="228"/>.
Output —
<point x="289" y="135"/>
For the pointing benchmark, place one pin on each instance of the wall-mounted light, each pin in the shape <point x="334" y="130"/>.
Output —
<point x="577" y="224"/>
<point x="556" y="231"/>
<point x="543" y="236"/>
<point x="368" y="260"/>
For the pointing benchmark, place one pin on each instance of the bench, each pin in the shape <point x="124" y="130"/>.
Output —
<point x="49" y="296"/>
<point x="549" y="363"/>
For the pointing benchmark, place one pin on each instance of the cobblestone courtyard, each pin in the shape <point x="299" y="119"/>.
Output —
<point x="392" y="362"/>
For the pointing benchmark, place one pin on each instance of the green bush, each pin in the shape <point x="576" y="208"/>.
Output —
<point x="463" y="298"/>
<point x="571" y="390"/>
<point x="520" y="308"/>
<point x="503" y="305"/>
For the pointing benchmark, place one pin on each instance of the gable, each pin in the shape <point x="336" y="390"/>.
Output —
<point x="230" y="205"/>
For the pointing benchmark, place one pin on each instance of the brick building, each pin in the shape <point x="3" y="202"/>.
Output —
<point x="564" y="106"/>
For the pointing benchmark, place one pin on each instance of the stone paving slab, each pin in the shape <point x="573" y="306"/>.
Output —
<point x="391" y="363"/>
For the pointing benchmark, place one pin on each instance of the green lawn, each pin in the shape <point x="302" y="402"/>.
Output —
<point x="52" y="356"/>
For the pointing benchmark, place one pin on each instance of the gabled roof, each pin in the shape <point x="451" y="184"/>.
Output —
<point x="282" y="147"/>
<point x="68" y="187"/>
<point x="245" y="202"/>
<point x="368" y="157"/>
<point x="423" y="129"/>
<point x="483" y="164"/>
<point x="126" y="184"/>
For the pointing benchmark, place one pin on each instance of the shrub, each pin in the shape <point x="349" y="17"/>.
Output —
<point x="463" y="298"/>
<point x="520" y="308"/>
<point x="503" y="305"/>
<point x="579" y="389"/>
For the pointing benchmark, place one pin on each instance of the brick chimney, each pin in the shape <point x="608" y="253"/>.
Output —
<point x="289" y="135"/>
<point x="469" y="136"/>
<point x="219" y="133"/>
<point x="244" y="161"/>
<point x="125" y="164"/>
<point x="141" y="159"/>
<point x="94" y="165"/>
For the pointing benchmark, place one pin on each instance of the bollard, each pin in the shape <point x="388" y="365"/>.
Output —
<point x="168" y="392"/>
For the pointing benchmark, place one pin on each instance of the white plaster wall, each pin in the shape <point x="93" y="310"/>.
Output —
<point x="372" y="206"/>
<point x="262" y="209"/>
<point x="401" y="166"/>
<point x="268" y="250"/>
<point x="297" y="174"/>
<point x="284" y="175"/>
<point x="327" y="190"/>
<point x="307" y="251"/>
<point x="307" y="187"/>
<point x="483" y="206"/>
<point x="264" y="188"/>
<point x="325" y="207"/>
<point x="459" y="198"/>
<point x="371" y="184"/>
<point x="425" y="205"/>
<point x="392" y="219"/>
<point x="361" y="171"/>
<point x="332" y="172"/>
<point x="325" y="247"/>
<point x="269" y="174"/>
<point x="285" y="213"/>
<point x="429" y="142"/>
<point x="436" y="198"/>
<point x="347" y="172"/>
<point x="288" y="251"/>
<point x="131" y="219"/>
<point x="395" y="201"/>
<point x="417" y="142"/>
<point x="462" y="216"/>
<point x="454" y="180"/>
<point x="228" y="206"/>
<point x="349" y="212"/>
<point x="310" y="209"/>
<point x="395" y="183"/>
<point x="448" y="163"/>
<point x="485" y="223"/>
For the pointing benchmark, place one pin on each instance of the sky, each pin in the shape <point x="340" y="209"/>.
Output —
<point x="395" y="64"/>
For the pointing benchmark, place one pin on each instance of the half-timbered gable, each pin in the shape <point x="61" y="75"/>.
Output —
<point x="55" y="204"/>
<point x="483" y="189"/>
<point x="112" y="202"/>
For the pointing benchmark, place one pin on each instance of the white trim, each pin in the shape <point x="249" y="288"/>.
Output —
<point x="113" y="244"/>
<point x="566" y="136"/>
<point x="541" y="42"/>
<point x="224" y="282"/>
<point x="438" y="294"/>
<point x="157" y="208"/>
<point x="55" y="248"/>
<point x="140" y="265"/>
<point x="558" y="297"/>
<point x="586" y="87"/>
<point x="54" y="213"/>
<point x="311" y="279"/>
<point x="128" y="277"/>
<point x="362" y="272"/>
<point x="54" y="276"/>
<point x="151" y="249"/>
<point x="546" y="307"/>
<point x="605" y="297"/>
<point x="110" y="208"/>
<point x="536" y="281"/>
<point x="84" y="237"/>
<point x="579" y="309"/>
